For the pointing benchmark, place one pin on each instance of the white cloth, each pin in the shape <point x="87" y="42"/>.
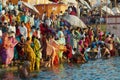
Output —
<point x="19" y="3"/>
<point x="61" y="38"/>
<point x="23" y="31"/>
<point x="12" y="29"/>
<point x="48" y="22"/>
<point x="32" y="21"/>
<point x="99" y="53"/>
<point x="73" y="52"/>
<point x="4" y="3"/>
<point x="11" y="7"/>
<point x="39" y="36"/>
<point x="43" y="16"/>
<point x="0" y="33"/>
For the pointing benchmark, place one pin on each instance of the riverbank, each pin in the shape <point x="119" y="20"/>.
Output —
<point x="100" y="69"/>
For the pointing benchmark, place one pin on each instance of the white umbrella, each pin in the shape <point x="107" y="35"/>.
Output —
<point x="69" y="1"/>
<point x="30" y="6"/>
<point x="82" y="1"/>
<point x="100" y="3"/>
<point x="74" y="21"/>
<point x="34" y="8"/>
<point x="108" y="10"/>
<point x="85" y="3"/>
<point x="116" y="10"/>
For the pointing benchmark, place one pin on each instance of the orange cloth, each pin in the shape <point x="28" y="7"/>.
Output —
<point x="28" y="28"/>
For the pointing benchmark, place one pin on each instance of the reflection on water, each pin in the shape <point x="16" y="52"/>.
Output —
<point x="8" y="76"/>
<point x="93" y="70"/>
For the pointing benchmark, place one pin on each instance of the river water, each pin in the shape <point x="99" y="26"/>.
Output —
<point x="100" y="69"/>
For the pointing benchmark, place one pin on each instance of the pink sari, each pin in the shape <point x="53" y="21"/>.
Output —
<point x="11" y="48"/>
<point x="7" y="49"/>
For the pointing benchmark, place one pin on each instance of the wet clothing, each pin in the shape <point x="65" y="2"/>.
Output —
<point x="36" y="48"/>
<point x="30" y="56"/>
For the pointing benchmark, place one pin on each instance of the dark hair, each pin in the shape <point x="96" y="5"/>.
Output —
<point x="28" y="38"/>
<point x="60" y="28"/>
<point x="22" y="22"/>
<point x="33" y="37"/>
<point x="112" y="35"/>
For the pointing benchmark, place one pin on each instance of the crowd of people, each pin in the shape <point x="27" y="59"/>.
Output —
<point x="49" y="41"/>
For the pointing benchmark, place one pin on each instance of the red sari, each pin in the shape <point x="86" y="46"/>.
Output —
<point x="68" y="52"/>
<point x="42" y="29"/>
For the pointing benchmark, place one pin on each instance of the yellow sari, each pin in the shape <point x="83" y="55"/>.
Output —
<point x="36" y="49"/>
<point x="30" y="55"/>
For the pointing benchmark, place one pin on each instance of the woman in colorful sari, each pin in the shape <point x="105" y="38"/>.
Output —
<point x="62" y="42"/>
<point x="24" y="18"/>
<point x="18" y="18"/>
<point x="90" y="34"/>
<point x="30" y="54"/>
<point x="20" y="48"/>
<point x="12" y="47"/>
<point x="44" y="46"/>
<point x="7" y="49"/>
<point x="72" y="38"/>
<point x="111" y="48"/>
<point x="82" y="48"/>
<point x="68" y="52"/>
<point x="36" y="48"/>
<point x="53" y="43"/>
<point x="61" y="37"/>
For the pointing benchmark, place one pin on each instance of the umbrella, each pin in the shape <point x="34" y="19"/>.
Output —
<point x="30" y="6"/>
<point x="69" y="1"/>
<point x="116" y="10"/>
<point x="107" y="10"/>
<point x="82" y="1"/>
<point x="67" y="24"/>
<point x="74" y="21"/>
<point x="100" y="3"/>
<point x="85" y="3"/>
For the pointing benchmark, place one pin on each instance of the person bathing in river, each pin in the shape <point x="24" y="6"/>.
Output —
<point x="62" y="42"/>
<point x="82" y="49"/>
<point x="20" y="48"/>
<point x="55" y="44"/>
<point x="105" y="52"/>
<point x="68" y="52"/>
<point x="24" y="72"/>
<point x="30" y="54"/>
<point x="36" y="48"/>
<point x="111" y="47"/>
